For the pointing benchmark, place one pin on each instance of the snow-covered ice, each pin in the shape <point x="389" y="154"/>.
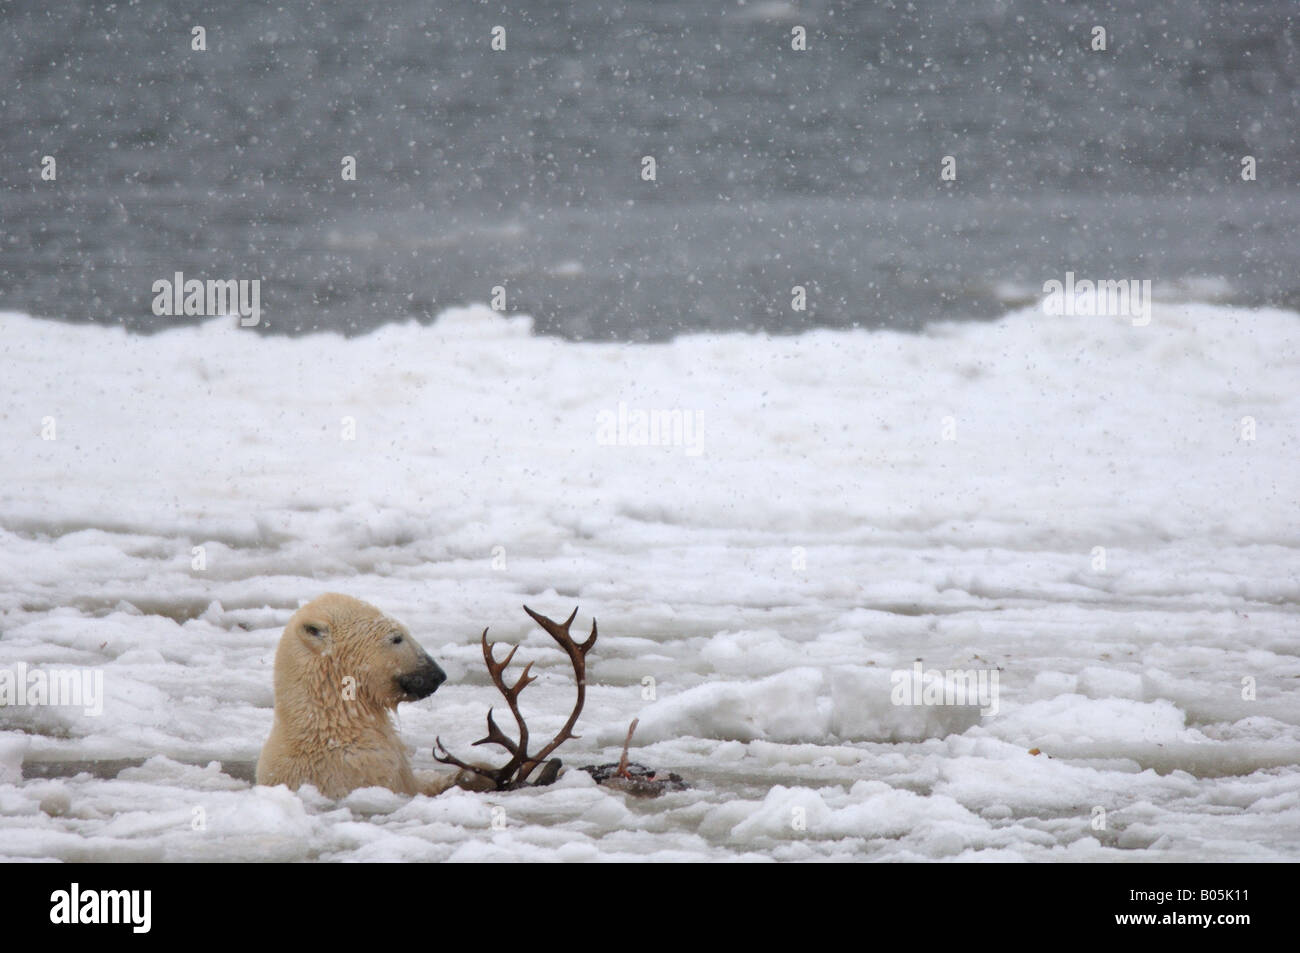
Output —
<point x="826" y="534"/>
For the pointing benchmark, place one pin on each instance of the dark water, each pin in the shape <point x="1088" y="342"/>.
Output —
<point x="109" y="768"/>
<point x="522" y="168"/>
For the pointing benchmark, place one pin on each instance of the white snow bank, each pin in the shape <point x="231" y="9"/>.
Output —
<point x="850" y="703"/>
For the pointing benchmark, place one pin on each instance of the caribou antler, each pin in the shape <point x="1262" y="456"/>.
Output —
<point x="514" y="773"/>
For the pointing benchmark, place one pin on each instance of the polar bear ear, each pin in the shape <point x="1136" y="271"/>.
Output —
<point x="315" y="634"/>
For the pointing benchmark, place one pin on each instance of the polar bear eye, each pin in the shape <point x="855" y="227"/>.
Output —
<point x="396" y="639"/>
<point x="315" y="630"/>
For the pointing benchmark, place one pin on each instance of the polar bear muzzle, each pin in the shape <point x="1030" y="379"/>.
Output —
<point x="423" y="682"/>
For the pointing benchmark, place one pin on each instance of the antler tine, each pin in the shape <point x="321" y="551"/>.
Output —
<point x="500" y="666"/>
<point x="496" y="736"/>
<point x="497" y="669"/>
<point x="524" y="679"/>
<point x="557" y="630"/>
<point x="560" y="631"/>
<point x="492" y="774"/>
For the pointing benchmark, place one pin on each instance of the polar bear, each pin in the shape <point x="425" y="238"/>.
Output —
<point x="341" y="669"/>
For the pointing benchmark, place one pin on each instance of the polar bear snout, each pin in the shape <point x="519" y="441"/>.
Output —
<point x="423" y="682"/>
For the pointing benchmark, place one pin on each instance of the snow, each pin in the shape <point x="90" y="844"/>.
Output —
<point x="764" y="591"/>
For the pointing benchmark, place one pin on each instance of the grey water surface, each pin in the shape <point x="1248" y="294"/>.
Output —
<point x="522" y="168"/>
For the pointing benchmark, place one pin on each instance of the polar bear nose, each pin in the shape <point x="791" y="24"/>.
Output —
<point x="422" y="682"/>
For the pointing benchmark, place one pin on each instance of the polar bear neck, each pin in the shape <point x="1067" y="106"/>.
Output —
<point x="333" y="709"/>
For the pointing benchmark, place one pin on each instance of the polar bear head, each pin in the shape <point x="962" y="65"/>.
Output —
<point x="344" y="644"/>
